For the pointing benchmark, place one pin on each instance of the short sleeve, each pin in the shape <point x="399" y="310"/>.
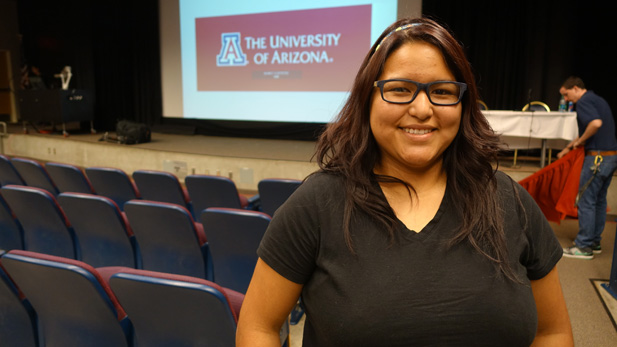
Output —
<point x="291" y="241"/>
<point x="586" y="111"/>
<point x="543" y="249"/>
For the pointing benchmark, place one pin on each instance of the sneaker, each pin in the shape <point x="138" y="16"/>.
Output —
<point x="580" y="253"/>
<point x="596" y="248"/>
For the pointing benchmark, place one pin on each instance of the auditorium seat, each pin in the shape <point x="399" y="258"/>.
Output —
<point x="175" y="309"/>
<point x="8" y="172"/>
<point x="34" y="174"/>
<point x="113" y="183"/>
<point x="11" y="232"/>
<point x="162" y="186"/>
<point x="73" y="302"/>
<point x="169" y="239"/>
<point x="103" y="232"/>
<point x="46" y="228"/>
<point x="18" y="325"/>
<point x="233" y="238"/>
<point x="273" y="192"/>
<point x="216" y="191"/>
<point x="69" y="178"/>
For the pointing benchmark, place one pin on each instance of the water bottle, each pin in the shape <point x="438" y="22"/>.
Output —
<point x="562" y="104"/>
<point x="570" y="106"/>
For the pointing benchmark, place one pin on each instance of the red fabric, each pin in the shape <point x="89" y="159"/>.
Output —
<point x="554" y="187"/>
<point x="244" y="201"/>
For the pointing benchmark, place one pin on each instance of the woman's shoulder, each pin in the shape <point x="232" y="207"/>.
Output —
<point x="506" y="186"/>
<point x="323" y="179"/>
<point x="319" y="193"/>
<point x="502" y="178"/>
<point x="511" y="190"/>
<point x="320" y="184"/>
<point x="504" y="181"/>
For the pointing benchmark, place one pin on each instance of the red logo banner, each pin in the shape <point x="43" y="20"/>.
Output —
<point x="306" y="50"/>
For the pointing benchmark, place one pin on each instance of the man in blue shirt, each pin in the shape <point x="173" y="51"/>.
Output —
<point x="596" y="129"/>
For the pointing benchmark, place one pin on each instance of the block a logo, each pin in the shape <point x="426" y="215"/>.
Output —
<point x="231" y="53"/>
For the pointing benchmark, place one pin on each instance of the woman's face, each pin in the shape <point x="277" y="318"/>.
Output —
<point x="414" y="136"/>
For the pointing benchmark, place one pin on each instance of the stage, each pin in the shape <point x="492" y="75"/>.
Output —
<point x="246" y="161"/>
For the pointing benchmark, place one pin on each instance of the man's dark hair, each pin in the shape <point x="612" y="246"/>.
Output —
<point x="572" y="82"/>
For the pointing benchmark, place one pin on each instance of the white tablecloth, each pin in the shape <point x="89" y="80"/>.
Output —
<point x="521" y="130"/>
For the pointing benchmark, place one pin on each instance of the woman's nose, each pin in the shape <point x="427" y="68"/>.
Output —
<point x="421" y="107"/>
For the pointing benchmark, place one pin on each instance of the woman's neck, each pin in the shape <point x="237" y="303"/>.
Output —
<point x="420" y="179"/>
<point x="415" y="209"/>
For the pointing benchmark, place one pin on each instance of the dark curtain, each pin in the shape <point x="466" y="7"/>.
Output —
<point x="55" y="34"/>
<point x="112" y="47"/>
<point x="127" y="61"/>
<point x="522" y="50"/>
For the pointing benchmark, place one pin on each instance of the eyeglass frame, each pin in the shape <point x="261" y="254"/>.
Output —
<point x="420" y="87"/>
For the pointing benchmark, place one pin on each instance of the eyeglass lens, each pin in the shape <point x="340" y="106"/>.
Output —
<point x="440" y="93"/>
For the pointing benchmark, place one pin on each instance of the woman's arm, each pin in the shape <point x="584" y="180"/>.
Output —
<point x="268" y="302"/>
<point x="554" y="327"/>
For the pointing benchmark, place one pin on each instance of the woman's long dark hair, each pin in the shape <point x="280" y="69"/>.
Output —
<point x="347" y="148"/>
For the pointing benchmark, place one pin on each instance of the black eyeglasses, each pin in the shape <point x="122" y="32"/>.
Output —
<point x="402" y="91"/>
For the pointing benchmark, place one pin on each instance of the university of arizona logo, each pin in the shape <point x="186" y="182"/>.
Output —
<point x="231" y="53"/>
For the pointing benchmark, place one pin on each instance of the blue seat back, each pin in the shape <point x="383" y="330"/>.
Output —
<point x="233" y="238"/>
<point x="11" y="233"/>
<point x="8" y="173"/>
<point x="46" y="229"/>
<point x="74" y="304"/>
<point x="168" y="238"/>
<point x="112" y="183"/>
<point x="103" y="233"/>
<point x="273" y="192"/>
<point x="179" y="310"/>
<point x="211" y="191"/>
<point x="18" y="325"/>
<point x="34" y="174"/>
<point x="69" y="178"/>
<point x="161" y="186"/>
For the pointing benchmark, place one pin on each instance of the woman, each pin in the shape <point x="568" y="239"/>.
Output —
<point x="407" y="236"/>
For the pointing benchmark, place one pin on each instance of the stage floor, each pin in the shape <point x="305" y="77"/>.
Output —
<point x="197" y="144"/>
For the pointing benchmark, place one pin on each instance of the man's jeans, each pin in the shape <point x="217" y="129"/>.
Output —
<point x="592" y="203"/>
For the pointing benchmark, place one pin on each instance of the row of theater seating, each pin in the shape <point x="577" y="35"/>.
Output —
<point x="139" y="233"/>
<point x="198" y="192"/>
<point x="134" y="232"/>
<point x="158" y="236"/>
<point x="55" y="301"/>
